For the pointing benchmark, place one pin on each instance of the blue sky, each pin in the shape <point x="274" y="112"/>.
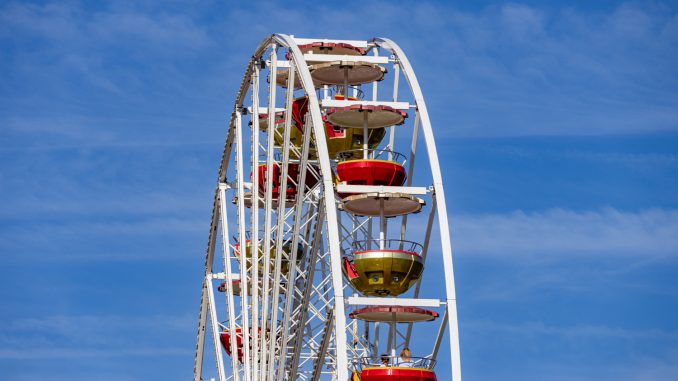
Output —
<point x="557" y="125"/>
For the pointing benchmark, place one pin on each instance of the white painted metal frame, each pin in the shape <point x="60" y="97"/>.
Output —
<point x="346" y="103"/>
<point x="445" y="238"/>
<point x="381" y="189"/>
<point x="315" y="58"/>
<point x="341" y="366"/>
<point x="406" y="302"/>
<point x="303" y="41"/>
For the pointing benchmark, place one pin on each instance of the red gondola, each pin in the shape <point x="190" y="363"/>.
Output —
<point x="380" y="167"/>
<point x="225" y="339"/>
<point x="235" y="284"/>
<point x="370" y="172"/>
<point x="391" y="368"/>
<point x="392" y="373"/>
<point x="292" y="175"/>
<point x="340" y="48"/>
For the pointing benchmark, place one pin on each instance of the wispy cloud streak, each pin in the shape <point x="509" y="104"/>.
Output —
<point x="557" y="232"/>
<point x="98" y="336"/>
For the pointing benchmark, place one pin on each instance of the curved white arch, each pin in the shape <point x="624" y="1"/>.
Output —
<point x="445" y="238"/>
<point x="330" y="206"/>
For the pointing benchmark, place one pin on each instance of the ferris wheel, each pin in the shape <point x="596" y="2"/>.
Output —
<point x="325" y="225"/>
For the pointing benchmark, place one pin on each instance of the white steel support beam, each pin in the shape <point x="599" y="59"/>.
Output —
<point x="366" y="143"/>
<point x="410" y="172"/>
<point x="268" y="212"/>
<point x="200" y="340"/>
<point x="317" y="58"/>
<point x="424" y="254"/>
<point x="439" y="338"/>
<point x="306" y="298"/>
<point x="223" y="276"/>
<point x="392" y="338"/>
<point x="226" y="255"/>
<point x="274" y="350"/>
<point x="377" y="301"/>
<point x="292" y="256"/>
<point x="369" y="233"/>
<point x="375" y="84"/>
<point x="376" y="338"/>
<point x="382" y="225"/>
<point x="382" y="189"/>
<point x="330" y="208"/>
<point x="259" y="109"/>
<point x="332" y="103"/>
<point x="254" y="223"/>
<point x="391" y="139"/>
<point x="320" y="361"/>
<point x="244" y="301"/>
<point x="214" y="322"/>
<point x="299" y="201"/>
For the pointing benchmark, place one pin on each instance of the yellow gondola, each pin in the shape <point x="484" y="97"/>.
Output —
<point x="387" y="271"/>
<point x="284" y="263"/>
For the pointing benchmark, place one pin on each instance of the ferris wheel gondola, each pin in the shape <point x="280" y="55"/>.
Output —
<point x="311" y="176"/>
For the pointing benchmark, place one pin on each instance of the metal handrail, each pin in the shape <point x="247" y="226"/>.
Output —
<point x="248" y="235"/>
<point x="372" y="154"/>
<point x="334" y="90"/>
<point x="393" y="361"/>
<point x="389" y="244"/>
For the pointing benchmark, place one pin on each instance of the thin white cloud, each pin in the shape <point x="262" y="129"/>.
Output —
<point x="68" y="353"/>
<point x="635" y="160"/>
<point x="70" y="23"/>
<point x="522" y="70"/>
<point x="503" y="70"/>
<point x="71" y="127"/>
<point x="601" y="332"/>
<point x="582" y="352"/>
<point x="84" y="326"/>
<point x="557" y="233"/>
<point x="75" y="336"/>
<point x="177" y="31"/>
<point x="523" y="22"/>
<point x="92" y="240"/>
<point x="55" y="21"/>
